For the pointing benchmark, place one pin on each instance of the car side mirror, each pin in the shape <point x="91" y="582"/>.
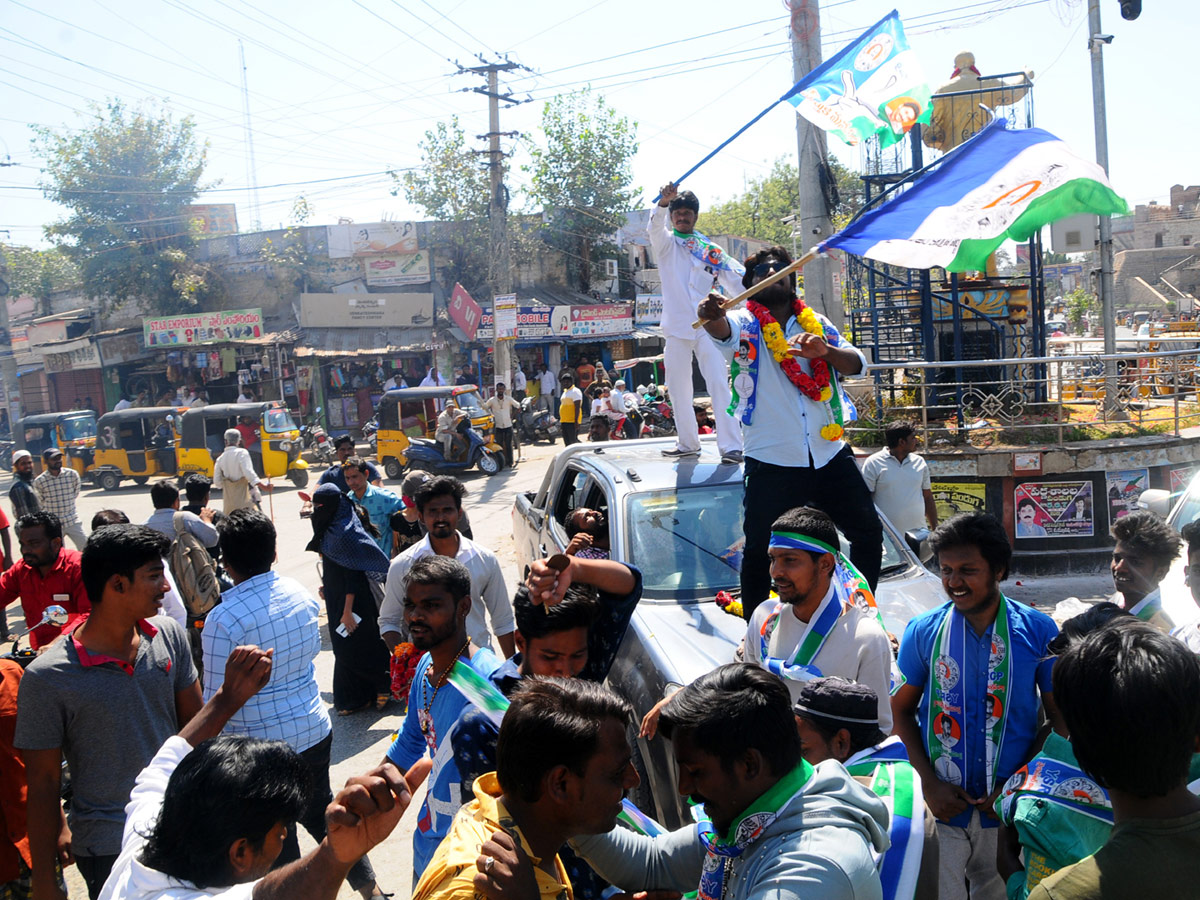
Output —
<point x="1157" y="501"/>
<point x="918" y="541"/>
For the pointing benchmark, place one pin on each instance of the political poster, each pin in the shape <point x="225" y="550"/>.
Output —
<point x="1054" y="509"/>
<point x="1124" y="488"/>
<point x="952" y="498"/>
<point x="1181" y="478"/>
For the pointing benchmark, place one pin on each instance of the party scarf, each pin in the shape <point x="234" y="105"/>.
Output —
<point x="746" y="829"/>
<point x="1054" y="781"/>
<point x="707" y="253"/>
<point x="895" y="782"/>
<point x="944" y="728"/>
<point x="1150" y="609"/>
<point x="742" y="407"/>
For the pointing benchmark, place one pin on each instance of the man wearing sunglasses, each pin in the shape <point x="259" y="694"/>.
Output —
<point x="789" y="410"/>
<point x="690" y="266"/>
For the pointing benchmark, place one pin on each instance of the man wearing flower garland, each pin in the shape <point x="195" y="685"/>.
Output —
<point x="967" y="705"/>
<point x="792" y="408"/>
<point x="690" y="265"/>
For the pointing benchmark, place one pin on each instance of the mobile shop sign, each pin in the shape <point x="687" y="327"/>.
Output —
<point x="533" y="323"/>
<point x="388" y="270"/>
<point x="203" y="328"/>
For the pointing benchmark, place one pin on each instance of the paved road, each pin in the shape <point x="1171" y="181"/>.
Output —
<point x="361" y="740"/>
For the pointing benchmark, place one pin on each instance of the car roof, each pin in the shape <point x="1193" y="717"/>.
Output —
<point x="643" y="458"/>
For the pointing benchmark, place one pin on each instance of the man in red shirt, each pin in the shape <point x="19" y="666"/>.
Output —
<point x="249" y="433"/>
<point x="47" y="573"/>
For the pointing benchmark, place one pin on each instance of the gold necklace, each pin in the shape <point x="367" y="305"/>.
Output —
<point x="427" y="719"/>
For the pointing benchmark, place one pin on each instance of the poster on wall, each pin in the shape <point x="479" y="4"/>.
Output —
<point x="367" y="240"/>
<point x="1181" y="478"/>
<point x="952" y="498"/>
<point x="1124" y="488"/>
<point x="1054" y="509"/>
<point x="505" y="312"/>
<point x="391" y="269"/>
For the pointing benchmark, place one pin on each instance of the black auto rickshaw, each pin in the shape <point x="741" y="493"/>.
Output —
<point x="74" y="433"/>
<point x="275" y="448"/>
<point x="138" y="443"/>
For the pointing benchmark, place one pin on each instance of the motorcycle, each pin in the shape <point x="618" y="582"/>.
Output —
<point x="657" y="418"/>
<point x="368" y="432"/>
<point x="316" y="439"/>
<point x="53" y="615"/>
<point x="537" y="424"/>
<point x="426" y="453"/>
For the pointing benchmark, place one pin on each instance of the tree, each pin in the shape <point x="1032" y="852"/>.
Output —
<point x="451" y="186"/>
<point x="126" y="182"/>
<point x="1079" y="304"/>
<point x="291" y="253"/>
<point x="759" y="212"/>
<point x="583" y="176"/>
<point x="39" y="273"/>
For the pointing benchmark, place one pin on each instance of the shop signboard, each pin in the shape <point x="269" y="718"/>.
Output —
<point x="592" y="321"/>
<point x="1054" y="509"/>
<point x="390" y="269"/>
<point x="464" y="311"/>
<point x="78" y="354"/>
<point x="203" y="328"/>
<point x="533" y="324"/>
<point x="121" y="348"/>
<point x="1124" y="488"/>
<point x="954" y="497"/>
<point x="647" y="309"/>
<point x="369" y="240"/>
<point x="359" y="310"/>
<point x="505" y="311"/>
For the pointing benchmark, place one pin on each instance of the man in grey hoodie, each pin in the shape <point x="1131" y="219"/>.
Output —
<point x="772" y="823"/>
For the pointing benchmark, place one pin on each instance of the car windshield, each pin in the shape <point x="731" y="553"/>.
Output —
<point x="79" y="428"/>
<point x="279" y="420"/>
<point x="469" y="403"/>
<point x="688" y="544"/>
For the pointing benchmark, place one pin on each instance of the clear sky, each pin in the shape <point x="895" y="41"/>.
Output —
<point x="342" y="91"/>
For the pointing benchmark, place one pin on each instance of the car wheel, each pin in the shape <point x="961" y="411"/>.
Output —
<point x="109" y="481"/>
<point x="490" y="463"/>
<point x="392" y="468"/>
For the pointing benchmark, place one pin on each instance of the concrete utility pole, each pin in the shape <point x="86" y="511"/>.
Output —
<point x="1108" y="316"/>
<point x="815" y="224"/>
<point x="8" y="360"/>
<point x="500" y="259"/>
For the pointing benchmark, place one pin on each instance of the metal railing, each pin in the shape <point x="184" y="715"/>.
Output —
<point x="1030" y="401"/>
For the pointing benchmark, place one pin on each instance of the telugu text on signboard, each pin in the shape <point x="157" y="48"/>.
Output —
<point x="505" y="313"/>
<point x="647" y="309"/>
<point x="203" y="328"/>
<point x="592" y="321"/>
<point x="78" y="354"/>
<point x="953" y="498"/>
<point x="1054" y="509"/>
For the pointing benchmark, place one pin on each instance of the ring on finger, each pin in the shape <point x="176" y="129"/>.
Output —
<point x="488" y="862"/>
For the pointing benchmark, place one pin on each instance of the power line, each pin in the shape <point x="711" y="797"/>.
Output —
<point x="21" y="187"/>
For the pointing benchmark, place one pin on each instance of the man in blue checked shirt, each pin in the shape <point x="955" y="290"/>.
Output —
<point x="276" y="613"/>
<point x="380" y="503"/>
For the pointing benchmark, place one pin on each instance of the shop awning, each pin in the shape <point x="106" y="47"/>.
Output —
<point x="352" y="342"/>
<point x="648" y="333"/>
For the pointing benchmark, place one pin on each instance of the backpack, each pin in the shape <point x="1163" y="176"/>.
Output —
<point x="192" y="566"/>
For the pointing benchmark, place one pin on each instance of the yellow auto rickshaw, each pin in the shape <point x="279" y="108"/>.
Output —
<point x="275" y="447"/>
<point x="137" y="443"/>
<point x="407" y="414"/>
<point x="74" y="433"/>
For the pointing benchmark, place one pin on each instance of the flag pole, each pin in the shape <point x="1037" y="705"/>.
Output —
<point x="731" y="302"/>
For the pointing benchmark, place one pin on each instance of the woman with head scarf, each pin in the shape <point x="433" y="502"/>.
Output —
<point x="361" y="674"/>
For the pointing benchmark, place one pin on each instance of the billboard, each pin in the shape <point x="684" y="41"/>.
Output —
<point x="203" y="328"/>
<point x="647" y="309"/>
<point x="390" y="269"/>
<point x="367" y="240"/>
<point x="592" y="321"/>
<point x="212" y="219"/>
<point x="358" y="310"/>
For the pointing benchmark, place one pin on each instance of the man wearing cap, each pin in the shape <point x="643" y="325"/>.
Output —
<point x="344" y="448"/>
<point x="21" y="494"/>
<point x="825" y="621"/>
<point x="57" y="490"/>
<point x="234" y="475"/>
<point x="839" y="719"/>
<point x="690" y="266"/>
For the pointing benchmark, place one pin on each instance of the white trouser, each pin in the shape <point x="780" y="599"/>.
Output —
<point x="677" y="358"/>
<point x="967" y="862"/>
<point x="74" y="530"/>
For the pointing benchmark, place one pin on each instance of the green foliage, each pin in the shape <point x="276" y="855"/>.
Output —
<point x="1079" y="304"/>
<point x="39" y="273"/>
<point x="582" y="177"/>
<point x="291" y="253"/>
<point x="126" y="181"/>
<point x="760" y="210"/>
<point x="451" y="186"/>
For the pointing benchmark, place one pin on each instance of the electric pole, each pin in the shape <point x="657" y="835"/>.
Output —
<point x="500" y="259"/>
<point x="8" y="360"/>
<point x="814" y="224"/>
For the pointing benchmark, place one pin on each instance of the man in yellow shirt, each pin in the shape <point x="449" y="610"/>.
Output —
<point x="563" y="765"/>
<point x="570" y="411"/>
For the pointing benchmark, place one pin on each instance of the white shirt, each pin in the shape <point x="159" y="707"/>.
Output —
<point x="684" y="283"/>
<point x="131" y="879"/>
<point x="786" y="426"/>
<point x="123" y="403"/>
<point x="488" y="591"/>
<point x="244" y="398"/>
<point x="897" y="487"/>
<point x="390" y="384"/>
<point x="518" y="380"/>
<point x="234" y="465"/>
<point x="430" y="381"/>
<point x="172" y="603"/>
<point x="855" y="648"/>
<point x="548" y="382"/>
<point x="575" y="396"/>
<point x="502" y="410"/>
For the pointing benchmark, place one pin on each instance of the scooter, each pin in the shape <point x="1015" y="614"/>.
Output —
<point x="426" y="454"/>
<point x="537" y="424"/>
<point x="53" y="615"/>
<point x="316" y="439"/>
